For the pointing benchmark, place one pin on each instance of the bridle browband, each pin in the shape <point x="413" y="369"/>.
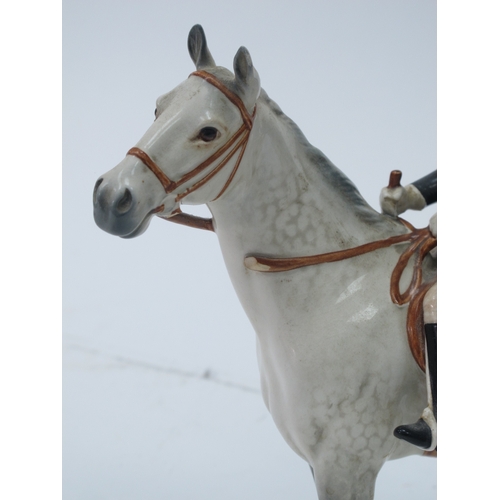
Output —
<point x="237" y="142"/>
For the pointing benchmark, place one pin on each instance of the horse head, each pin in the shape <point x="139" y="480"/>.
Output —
<point x="192" y="150"/>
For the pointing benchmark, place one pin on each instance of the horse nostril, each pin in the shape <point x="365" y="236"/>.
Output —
<point x="125" y="202"/>
<point x="97" y="184"/>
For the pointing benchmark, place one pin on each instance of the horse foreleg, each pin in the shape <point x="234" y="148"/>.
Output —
<point x="345" y="478"/>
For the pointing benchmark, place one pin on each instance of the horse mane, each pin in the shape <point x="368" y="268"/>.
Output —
<point x="333" y="176"/>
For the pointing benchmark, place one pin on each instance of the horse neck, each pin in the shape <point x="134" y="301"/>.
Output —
<point x="288" y="198"/>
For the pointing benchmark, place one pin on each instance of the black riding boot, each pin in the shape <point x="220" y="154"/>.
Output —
<point x="420" y="433"/>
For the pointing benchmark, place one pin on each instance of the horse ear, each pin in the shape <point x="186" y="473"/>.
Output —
<point x="247" y="78"/>
<point x="198" y="49"/>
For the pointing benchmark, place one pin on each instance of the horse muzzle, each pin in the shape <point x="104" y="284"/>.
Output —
<point x="118" y="211"/>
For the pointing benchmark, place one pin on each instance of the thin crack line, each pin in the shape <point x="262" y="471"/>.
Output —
<point x="162" y="369"/>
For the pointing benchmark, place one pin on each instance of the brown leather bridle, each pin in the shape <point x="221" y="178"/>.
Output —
<point x="237" y="142"/>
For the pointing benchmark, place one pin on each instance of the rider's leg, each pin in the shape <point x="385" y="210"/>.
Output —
<point x="423" y="433"/>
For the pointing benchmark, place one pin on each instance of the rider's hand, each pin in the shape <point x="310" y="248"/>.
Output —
<point x="433" y="225"/>
<point x="433" y="228"/>
<point x="395" y="201"/>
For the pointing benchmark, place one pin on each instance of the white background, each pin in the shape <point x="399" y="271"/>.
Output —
<point x="160" y="383"/>
<point x="139" y="422"/>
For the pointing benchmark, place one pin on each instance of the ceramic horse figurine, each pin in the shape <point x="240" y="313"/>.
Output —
<point x="337" y="374"/>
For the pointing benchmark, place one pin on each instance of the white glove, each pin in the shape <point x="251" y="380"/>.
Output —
<point x="395" y="201"/>
<point x="433" y="225"/>
<point x="433" y="228"/>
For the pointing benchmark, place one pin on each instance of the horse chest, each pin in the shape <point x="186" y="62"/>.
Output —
<point x="323" y="338"/>
<point x="316" y="315"/>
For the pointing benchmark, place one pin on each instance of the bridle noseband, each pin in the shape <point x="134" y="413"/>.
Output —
<point x="237" y="142"/>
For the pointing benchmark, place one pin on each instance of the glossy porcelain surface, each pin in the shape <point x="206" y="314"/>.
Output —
<point x="336" y="371"/>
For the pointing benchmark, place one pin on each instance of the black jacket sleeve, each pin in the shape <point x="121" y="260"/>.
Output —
<point x="428" y="187"/>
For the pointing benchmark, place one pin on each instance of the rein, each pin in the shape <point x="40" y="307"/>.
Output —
<point x="421" y="243"/>
<point x="237" y="142"/>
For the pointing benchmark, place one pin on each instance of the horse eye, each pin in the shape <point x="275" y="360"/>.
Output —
<point x="208" y="134"/>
